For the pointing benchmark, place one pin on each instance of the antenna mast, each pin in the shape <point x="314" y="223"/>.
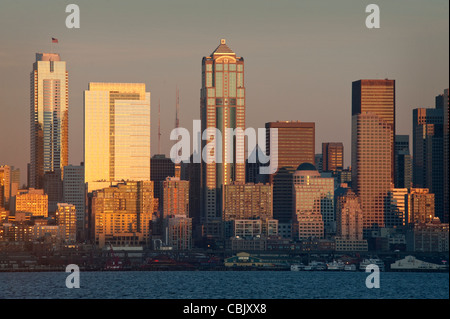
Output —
<point x="159" y="126"/>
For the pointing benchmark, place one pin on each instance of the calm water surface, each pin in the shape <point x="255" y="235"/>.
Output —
<point x="224" y="285"/>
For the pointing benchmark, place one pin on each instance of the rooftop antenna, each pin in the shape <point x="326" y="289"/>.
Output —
<point x="177" y="125"/>
<point x="159" y="126"/>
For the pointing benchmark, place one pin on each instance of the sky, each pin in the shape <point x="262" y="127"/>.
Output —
<point x="301" y="57"/>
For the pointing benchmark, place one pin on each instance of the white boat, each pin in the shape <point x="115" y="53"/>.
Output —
<point x="297" y="267"/>
<point x="350" y="267"/>
<point x="371" y="261"/>
<point x="412" y="264"/>
<point x="336" y="265"/>
<point x="315" y="265"/>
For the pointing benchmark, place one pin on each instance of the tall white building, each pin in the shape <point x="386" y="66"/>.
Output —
<point x="49" y="117"/>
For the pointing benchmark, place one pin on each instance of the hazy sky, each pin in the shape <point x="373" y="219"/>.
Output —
<point x="300" y="59"/>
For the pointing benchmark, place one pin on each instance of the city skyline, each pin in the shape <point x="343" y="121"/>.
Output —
<point x="414" y="52"/>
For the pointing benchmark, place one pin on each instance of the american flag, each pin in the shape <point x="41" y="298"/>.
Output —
<point x="54" y="40"/>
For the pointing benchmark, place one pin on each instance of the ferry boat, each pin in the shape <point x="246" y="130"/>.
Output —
<point x="316" y="265"/>
<point x="410" y="263"/>
<point x="371" y="261"/>
<point x="336" y="265"/>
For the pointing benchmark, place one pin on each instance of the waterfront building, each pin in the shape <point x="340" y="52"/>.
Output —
<point x="49" y="116"/>
<point x="116" y="134"/>
<point x="178" y="232"/>
<point x="428" y="237"/>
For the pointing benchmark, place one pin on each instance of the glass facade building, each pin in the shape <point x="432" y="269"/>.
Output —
<point x="49" y="117"/>
<point x="116" y="134"/>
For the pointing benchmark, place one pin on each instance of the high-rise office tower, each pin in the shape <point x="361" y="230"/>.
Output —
<point x="446" y="163"/>
<point x="296" y="145"/>
<point x="428" y="154"/>
<point x="49" y="117"/>
<point x="332" y="156"/>
<point x="403" y="162"/>
<point x="313" y="198"/>
<point x="373" y="132"/>
<point x="74" y="192"/>
<point x="116" y="134"/>
<point x="5" y="184"/>
<point x="222" y="107"/>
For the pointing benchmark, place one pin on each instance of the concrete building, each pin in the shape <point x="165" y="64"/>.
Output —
<point x="74" y="192"/>
<point x="178" y="232"/>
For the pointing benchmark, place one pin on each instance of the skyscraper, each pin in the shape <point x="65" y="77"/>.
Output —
<point x="446" y="163"/>
<point x="296" y="145"/>
<point x="373" y="132"/>
<point x="116" y="134"/>
<point x="5" y="184"/>
<point x="222" y="107"/>
<point x="332" y="156"/>
<point x="49" y="117"/>
<point x="428" y="154"/>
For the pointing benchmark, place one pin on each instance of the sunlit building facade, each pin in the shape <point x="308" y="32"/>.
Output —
<point x="373" y="132"/>
<point x="419" y="206"/>
<point x="49" y="117"/>
<point x="5" y="184"/>
<point x="175" y="197"/>
<point x="66" y="219"/>
<point x="33" y="201"/>
<point x="122" y="214"/>
<point x="222" y="107"/>
<point x="116" y="134"/>
<point x="332" y="156"/>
